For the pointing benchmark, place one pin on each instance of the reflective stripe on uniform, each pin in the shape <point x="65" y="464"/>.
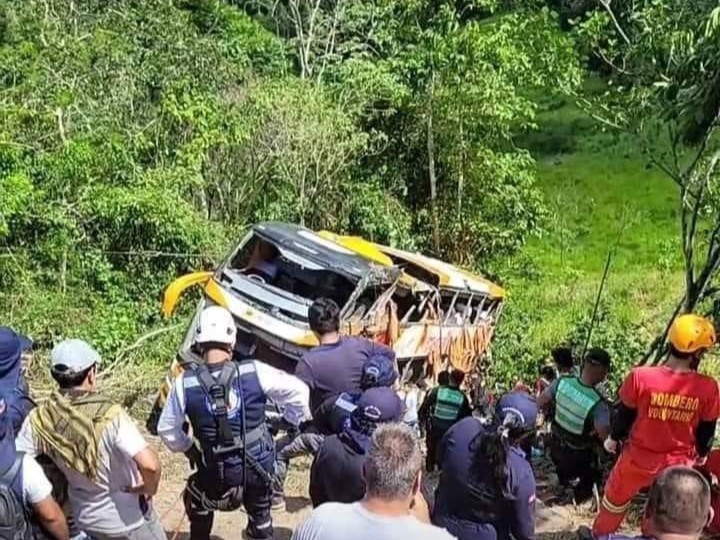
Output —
<point x="613" y="508"/>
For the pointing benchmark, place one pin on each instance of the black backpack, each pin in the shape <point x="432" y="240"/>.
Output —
<point x="14" y="524"/>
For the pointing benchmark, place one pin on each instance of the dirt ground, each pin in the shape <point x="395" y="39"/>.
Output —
<point x="553" y="522"/>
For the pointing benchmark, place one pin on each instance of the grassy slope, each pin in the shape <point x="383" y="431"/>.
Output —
<point x="595" y="184"/>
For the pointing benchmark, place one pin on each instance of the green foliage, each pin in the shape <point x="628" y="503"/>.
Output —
<point x="137" y="139"/>
<point x="553" y="281"/>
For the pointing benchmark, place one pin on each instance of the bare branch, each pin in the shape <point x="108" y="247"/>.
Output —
<point x="606" y="5"/>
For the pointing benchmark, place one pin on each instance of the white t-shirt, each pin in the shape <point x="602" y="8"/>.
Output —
<point x="35" y="485"/>
<point x="102" y="506"/>
<point x="331" y="521"/>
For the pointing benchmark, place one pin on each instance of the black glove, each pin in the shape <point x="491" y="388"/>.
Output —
<point x="195" y="456"/>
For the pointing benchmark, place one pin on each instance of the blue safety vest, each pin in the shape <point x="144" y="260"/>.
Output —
<point x="246" y="402"/>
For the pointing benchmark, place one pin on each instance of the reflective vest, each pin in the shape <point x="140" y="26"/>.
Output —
<point x="574" y="402"/>
<point x="245" y="418"/>
<point x="448" y="404"/>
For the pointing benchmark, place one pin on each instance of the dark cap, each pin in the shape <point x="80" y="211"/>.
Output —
<point x="520" y="405"/>
<point x="379" y="405"/>
<point x="598" y="356"/>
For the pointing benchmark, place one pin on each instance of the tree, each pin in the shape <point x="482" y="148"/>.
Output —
<point x="665" y="66"/>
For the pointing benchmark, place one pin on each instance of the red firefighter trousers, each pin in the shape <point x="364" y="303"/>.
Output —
<point x="632" y="472"/>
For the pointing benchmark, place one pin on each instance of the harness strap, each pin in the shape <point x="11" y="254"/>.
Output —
<point x="218" y="390"/>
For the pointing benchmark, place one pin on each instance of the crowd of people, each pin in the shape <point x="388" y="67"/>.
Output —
<point x="76" y="466"/>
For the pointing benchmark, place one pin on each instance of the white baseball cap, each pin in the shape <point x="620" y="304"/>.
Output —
<point x="73" y="356"/>
<point x="216" y="325"/>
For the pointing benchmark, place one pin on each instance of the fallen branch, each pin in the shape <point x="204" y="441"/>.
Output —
<point x="138" y="343"/>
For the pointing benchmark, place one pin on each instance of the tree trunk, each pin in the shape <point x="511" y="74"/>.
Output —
<point x="431" y="171"/>
<point x="461" y="173"/>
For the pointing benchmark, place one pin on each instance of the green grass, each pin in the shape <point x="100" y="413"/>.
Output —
<point x="600" y="193"/>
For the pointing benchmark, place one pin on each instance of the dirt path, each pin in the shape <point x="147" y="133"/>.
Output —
<point x="553" y="523"/>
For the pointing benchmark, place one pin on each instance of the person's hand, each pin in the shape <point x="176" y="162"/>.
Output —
<point x="701" y="461"/>
<point x="610" y="445"/>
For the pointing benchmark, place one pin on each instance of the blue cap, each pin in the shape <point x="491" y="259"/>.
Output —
<point x="378" y="371"/>
<point x="12" y="346"/>
<point x="519" y="404"/>
<point x="379" y="405"/>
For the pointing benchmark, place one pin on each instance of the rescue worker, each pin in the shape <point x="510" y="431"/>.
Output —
<point x="678" y="507"/>
<point x="225" y="404"/>
<point x="581" y="422"/>
<point x="12" y="381"/>
<point x="336" y="474"/>
<point x="487" y="488"/>
<point x="441" y="408"/>
<point x="111" y="471"/>
<point x="338" y="365"/>
<point x="668" y="415"/>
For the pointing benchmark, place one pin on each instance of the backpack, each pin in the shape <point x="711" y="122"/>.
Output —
<point x="14" y="523"/>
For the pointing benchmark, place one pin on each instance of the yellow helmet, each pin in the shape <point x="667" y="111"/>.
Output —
<point x="691" y="333"/>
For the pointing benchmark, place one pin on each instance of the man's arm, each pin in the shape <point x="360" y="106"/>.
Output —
<point x="704" y="436"/>
<point x="705" y="432"/>
<point x="37" y="494"/>
<point x="51" y="518"/>
<point x="170" y="424"/>
<point x="148" y="465"/>
<point x="131" y="443"/>
<point x="287" y="391"/>
<point x="623" y="420"/>
<point x="601" y="420"/>
<point x="548" y="395"/>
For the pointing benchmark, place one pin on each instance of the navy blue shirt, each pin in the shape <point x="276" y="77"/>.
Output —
<point x="336" y="474"/>
<point x="331" y="369"/>
<point x="467" y="505"/>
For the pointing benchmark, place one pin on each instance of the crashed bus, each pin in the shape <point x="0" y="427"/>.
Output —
<point x="431" y="313"/>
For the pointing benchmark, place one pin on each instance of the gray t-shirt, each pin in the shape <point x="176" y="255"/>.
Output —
<point x="331" y="521"/>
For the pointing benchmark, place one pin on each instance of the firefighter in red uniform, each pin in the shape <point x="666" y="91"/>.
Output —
<point x="668" y="415"/>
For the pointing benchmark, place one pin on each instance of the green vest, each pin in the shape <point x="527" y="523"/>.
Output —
<point x="574" y="402"/>
<point x="448" y="404"/>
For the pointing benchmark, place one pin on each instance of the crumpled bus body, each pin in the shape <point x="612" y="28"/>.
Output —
<point x="431" y="313"/>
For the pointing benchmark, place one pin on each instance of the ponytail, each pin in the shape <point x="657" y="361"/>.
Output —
<point x="492" y="450"/>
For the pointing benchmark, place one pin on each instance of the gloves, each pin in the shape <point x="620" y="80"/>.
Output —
<point x="610" y="445"/>
<point x="195" y="456"/>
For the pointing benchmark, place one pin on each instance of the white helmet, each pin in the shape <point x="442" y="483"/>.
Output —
<point x="216" y="325"/>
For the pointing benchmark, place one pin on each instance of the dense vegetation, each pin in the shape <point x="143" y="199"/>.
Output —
<point x="137" y="138"/>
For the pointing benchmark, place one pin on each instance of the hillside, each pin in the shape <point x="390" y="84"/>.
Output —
<point x="602" y="196"/>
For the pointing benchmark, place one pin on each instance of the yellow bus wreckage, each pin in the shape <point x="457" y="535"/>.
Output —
<point x="433" y="314"/>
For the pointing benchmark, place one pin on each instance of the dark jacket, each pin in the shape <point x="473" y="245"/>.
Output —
<point x="466" y="503"/>
<point x="336" y="474"/>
